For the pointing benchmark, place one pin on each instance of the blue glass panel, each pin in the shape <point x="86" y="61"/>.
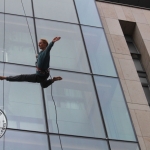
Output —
<point x="62" y="10"/>
<point x="98" y="51"/>
<point x="77" y="107"/>
<point x="18" y="44"/>
<point x="1" y="36"/>
<point x="74" y="143"/>
<point x="15" y="7"/>
<point x="23" y="101"/>
<point x="69" y="52"/>
<point x="123" y="146"/>
<point x="1" y="143"/>
<point x="1" y="87"/>
<point x="114" y="109"/>
<point x="16" y="140"/>
<point x="87" y="12"/>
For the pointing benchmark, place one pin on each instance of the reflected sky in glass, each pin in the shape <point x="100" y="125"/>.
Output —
<point x="69" y="52"/>
<point x="77" y="106"/>
<point x="23" y="101"/>
<point x="62" y="10"/>
<point x="1" y="87"/>
<point x="16" y="140"/>
<point x="18" y="44"/>
<point x="87" y="12"/>
<point x="114" y="109"/>
<point x="1" y="36"/>
<point x="11" y="5"/>
<point x="98" y="51"/>
<point x="73" y="143"/>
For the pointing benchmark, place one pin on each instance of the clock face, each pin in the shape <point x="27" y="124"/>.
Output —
<point x="3" y="123"/>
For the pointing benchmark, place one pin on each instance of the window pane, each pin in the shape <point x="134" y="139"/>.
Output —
<point x="90" y="10"/>
<point x="114" y="109"/>
<point x="147" y="93"/>
<point x="18" y="44"/>
<point x="138" y="65"/>
<point x="123" y="146"/>
<point x="141" y="74"/>
<point x="23" y="101"/>
<point x="55" y="10"/>
<point x="1" y="143"/>
<point x="143" y="80"/>
<point x="11" y="5"/>
<point x="69" y="52"/>
<point x="132" y="48"/>
<point x="15" y="140"/>
<point x="73" y="143"/>
<point x="1" y="87"/>
<point x="77" y="107"/>
<point x="1" y="36"/>
<point x="98" y="51"/>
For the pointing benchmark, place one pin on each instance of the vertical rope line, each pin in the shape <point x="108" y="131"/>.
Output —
<point x="50" y="75"/>
<point x="4" y="69"/>
<point x="56" y="115"/>
<point x="4" y="54"/>
<point x="28" y="26"/>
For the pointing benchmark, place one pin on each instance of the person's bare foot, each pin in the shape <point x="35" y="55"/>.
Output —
<point x="57" y="78"/>
<point x="2" y="78"/>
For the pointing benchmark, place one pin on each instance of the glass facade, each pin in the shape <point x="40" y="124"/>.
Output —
<point x="91" y="108"/>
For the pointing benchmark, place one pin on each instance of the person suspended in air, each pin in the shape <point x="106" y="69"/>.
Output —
<point x="42" y="67"/>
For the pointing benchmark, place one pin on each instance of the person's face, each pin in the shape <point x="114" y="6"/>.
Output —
<point x="42" y="45"/>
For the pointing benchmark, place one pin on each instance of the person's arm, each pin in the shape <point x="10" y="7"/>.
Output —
<point x="51" y="44"/>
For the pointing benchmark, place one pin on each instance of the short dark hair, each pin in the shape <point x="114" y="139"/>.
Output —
<point x="45" y="41"/>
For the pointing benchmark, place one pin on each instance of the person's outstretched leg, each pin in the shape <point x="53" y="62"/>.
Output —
<point x="46" y="83"/>
<point x="25" y="77"/>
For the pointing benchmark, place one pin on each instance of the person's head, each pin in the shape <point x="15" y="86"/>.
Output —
<point x="43" y="43"/>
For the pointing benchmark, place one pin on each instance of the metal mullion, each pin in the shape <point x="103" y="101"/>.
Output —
<point x="46" y="118"/>
<point x="16" y="15"/>
<point x="9" y="63"/>
<point x="27" y="130"/>
<point x="45" y="19"/>
<point x="78" y="136"/>
<point x="100" y="110"/>
<point x="34" y="23"/>
<point x="43" y="97"/>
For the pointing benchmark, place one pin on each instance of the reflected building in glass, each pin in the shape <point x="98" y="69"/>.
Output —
<point x="100" y="102"/>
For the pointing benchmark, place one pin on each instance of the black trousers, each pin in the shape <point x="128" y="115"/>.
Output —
<point x="31" y="78"/>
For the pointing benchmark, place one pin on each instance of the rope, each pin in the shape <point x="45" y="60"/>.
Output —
<point x="4" y="68"/>
<point x="56" y="115"/>
<point x="28" y="26"/>
<point x="50" y="77"/>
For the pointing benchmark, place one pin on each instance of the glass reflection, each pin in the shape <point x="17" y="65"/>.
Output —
<point x="123" y="146"/>
<point x="114" y="109"/>
<point x="23" y="101"/>
<point x="18" y="44"/>
<point x="1" y="36"/>
<point x="87" y="12"/>
<point x="55" y="10"/>
<point x="15" y="140"/>
<point x="1" y="87"/>
<point x="11" y="5"/>
<point x="1" y="143"/>
<point x="69" y="52"/>
<point x="98" y="51"/>
<point x="77" y="107"/>
<point x="73" y="143"/>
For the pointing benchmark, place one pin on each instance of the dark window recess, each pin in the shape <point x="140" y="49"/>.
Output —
<point x="136" y="56"/>
<point x="132" y="48"/>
